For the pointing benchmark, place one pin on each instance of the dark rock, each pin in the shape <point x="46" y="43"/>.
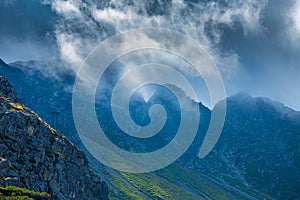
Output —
<point x="35" y="156"/>
<point x="7" y="90"/>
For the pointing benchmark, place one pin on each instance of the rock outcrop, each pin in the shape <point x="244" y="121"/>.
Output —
<point x="35" y="156"/>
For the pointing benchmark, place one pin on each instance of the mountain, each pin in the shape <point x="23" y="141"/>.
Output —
<point x="256" y="157"/>
<point x="261" y="141"/>
<point x="40" y="91"/>
<point x="35" y="156"/>
<point x="258" y="148"/>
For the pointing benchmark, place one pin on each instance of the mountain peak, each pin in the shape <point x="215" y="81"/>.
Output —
<point x="241" y="95"/>
<point x="245" y="101"/>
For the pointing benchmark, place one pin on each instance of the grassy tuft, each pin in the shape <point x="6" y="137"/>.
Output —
<point x="16" y="193"/>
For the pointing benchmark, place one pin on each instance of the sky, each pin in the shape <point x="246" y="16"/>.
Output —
<point x="255" y="44"/>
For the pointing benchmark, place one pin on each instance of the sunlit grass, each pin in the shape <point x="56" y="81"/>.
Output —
<point x="16" y="193"/>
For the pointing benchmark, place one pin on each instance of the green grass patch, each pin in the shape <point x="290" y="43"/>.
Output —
<point x="156" y="187"/>
<point x="124" y="191"/>
<point x="16" y="193"/>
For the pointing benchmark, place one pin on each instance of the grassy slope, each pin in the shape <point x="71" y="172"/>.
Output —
<point x="16" y="193"/>
<point x="173" y="182"/>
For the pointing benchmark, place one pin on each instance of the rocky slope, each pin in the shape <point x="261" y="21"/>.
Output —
<point x="35" y="156"/>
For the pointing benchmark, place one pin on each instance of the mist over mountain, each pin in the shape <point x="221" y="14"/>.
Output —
<point x="257" y="155"/>
<point x="255" y="44"/>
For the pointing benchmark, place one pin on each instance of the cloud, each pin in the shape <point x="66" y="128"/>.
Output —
<point x="294" y="17"/>
<point x="110" y="15"/>
<point x="88" y="22"/>
<point x="69" y="47"/>
<point x="67" y="8"/>
<point x="248" y="40"/>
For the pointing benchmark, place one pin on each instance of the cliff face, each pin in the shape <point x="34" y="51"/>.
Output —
<point x="35" y="156"/>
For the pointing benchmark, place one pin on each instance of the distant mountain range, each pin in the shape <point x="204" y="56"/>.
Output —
<point x="256" y="157"/>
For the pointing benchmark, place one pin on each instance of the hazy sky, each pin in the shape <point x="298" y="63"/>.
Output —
<point x="26" y="30"/>
<point x="256" y="44"/>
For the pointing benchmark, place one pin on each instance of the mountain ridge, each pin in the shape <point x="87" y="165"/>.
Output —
<point x="243" y="160"/>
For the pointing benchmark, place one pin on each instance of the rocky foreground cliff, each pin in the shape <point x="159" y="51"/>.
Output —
<point x="35" y="156"/>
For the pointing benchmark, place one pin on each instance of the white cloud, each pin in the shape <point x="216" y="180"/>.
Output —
<point x="86" y="23"/>
<point x="69" y="47"/>
<point x="110" y="15"/>
<point x="294" y="16"/>
<point x="67" y="8"/>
